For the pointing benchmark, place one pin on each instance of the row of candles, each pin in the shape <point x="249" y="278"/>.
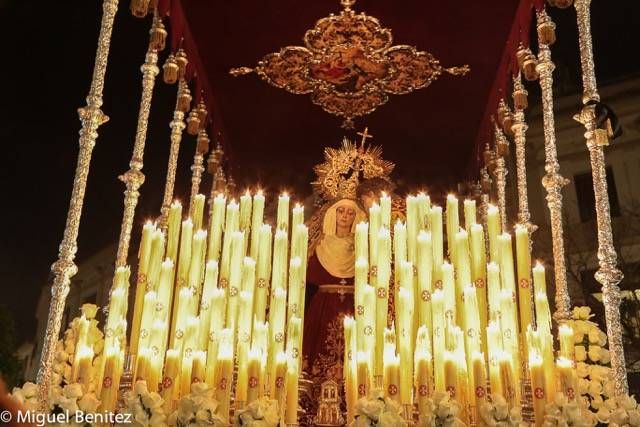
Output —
<point x="453" y="318"/>
<point x="200" y="307"/>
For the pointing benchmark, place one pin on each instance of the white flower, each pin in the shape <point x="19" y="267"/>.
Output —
<point x="73" y="391"/>
<point x="498" y="414"/>
<point x="594" y="353"/>
<point x="582" y="370"/>
<point x="580" y="353"/>
<point x="563" y="413"/>
<point x="145" y="407"/>
<point x="89" y="310"/>
<point x="602" y="339"/>
<point x="581" y="313"/>
<point x="88" y="403"/>
<point x="605" y="356"/>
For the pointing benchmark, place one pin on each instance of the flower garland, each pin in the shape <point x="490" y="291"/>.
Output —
<point x="72" y="400"/>
<point x="377" y="410"/>
<point x="497" y="414"/>
<point x="197" y="409"/>
<point x="620" y="411"/>
<point x="442" y="411"/>
<point x="261" y="412"/>
<point x="595" y="383"/>
<point x="562" y="413"/>
<point x="145" y="407"/>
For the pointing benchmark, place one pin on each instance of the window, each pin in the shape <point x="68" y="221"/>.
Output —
<point x="586" y="198"/>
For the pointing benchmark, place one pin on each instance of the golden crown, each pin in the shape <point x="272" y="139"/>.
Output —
<point x="345" y="167"/>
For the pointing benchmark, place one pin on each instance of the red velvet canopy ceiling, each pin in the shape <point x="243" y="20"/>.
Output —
<point x="434" y="135"/>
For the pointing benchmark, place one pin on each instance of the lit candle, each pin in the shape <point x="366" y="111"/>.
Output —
<point x="245" y="211"/>
<point x="374" y="228"/>
<point x="144" y="255"/>
<point x="198" y="371"/>
<point x="282" y="218"/>
<point x="565" y="337"/>
<point x="245" y="317"/>
<point x="259" y="341"/>
<point x="253" y="372"/>
<point x="448" y="284"/>
<point x="494" y="345"/>
<point x="423" y="383"/>
<point x="362" y="240"/>
<point x="479" y="277"/>
<point x="472" y="323"/>
<point x="216" y="225"/>
<point x="257" y="216"/>
<point x="462" y="264"/>
<point x="108" y="390"/>
<point x="469" y="213"/>
<point x="157" y="345"/>
<point x="232" y="222"/>
<point x="165" y="290"/>
<point x="196" y="269"/>
<point x="523" y="256"/>
<point x="399" y="244"/>
<point x="210" y="280"/>
<point x="280" y="260"/>
<point x="404" y="317"/>
<point x="173" y="230"/>
<point x="294" y="335"/>
<point x="171" y="372"/>
<point x="349" y="366"/>
<point x="536" y="372"/>
<point x="391" y="372"/>
<point x="539" y="280"/>
<point x="235" y="278"/>
<point x="509" y="324"/>
<point x="300" y="246"/>
<point x="277" y="313"/>
<point x="81" y="343"/>
<point x="450" y="373"/>
<point x="425" y="285"/>
<point x="278" y="381"/>
<point x="479" y="371"/>
<point x="413" y="226"/>
<point x="263" y="271"/>
<point x="297" y="215"/>
<point x="368" y="320"/>
<point x="566" y="374"/>
<point x="155" y="259"/>
<point x="437" y="305"/>
<point x="184" y="260"/>
<point x="197" y="211"/>
<point x="424" y="208"/>
<point x="437" y="245"/>
<point x="224" y="375"/>
<point x="385" y="210"/>
<point x="295" y="282"/>
<point x="293" y="369"/>
<point x="84" y="356"/>
<point x="507" y="378"/>
<point x="242" y="380"/>
<point x="494" y="229"/>
<point x="182" y="313"/>
<point x="493" y="290"/>
<point x="453" y="223"/>
<point x="216" y="325"/>
<point x="147" y="318"/>
<point x="363" y="359"/>
<point x="383" y="276"/>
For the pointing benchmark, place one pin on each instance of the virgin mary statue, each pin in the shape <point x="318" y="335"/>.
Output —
<point x="331" y="264"/>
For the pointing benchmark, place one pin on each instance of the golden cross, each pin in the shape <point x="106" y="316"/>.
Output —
<point x="365" y="134"/>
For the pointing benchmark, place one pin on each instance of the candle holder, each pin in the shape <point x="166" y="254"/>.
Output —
<point x="64" y="268"/>
<point x="177" y="126"/>
<point x="126" y="380"/>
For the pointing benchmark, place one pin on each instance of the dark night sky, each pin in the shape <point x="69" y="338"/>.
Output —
<point x="48" y="51"/>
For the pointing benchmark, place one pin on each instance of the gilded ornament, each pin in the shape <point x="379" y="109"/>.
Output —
<point x="193" y="122"/>
<point x="158" y="35"/>
<point x="139" y="8"/>
<point x="182" y="61"/>
<point x="170" y="70"/>
<point x="349" y="66"/>
<point x="344" y="167"/>
<point x="184" y="98"/>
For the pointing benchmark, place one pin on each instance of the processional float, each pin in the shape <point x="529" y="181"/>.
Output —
<point x="471" y="319"/>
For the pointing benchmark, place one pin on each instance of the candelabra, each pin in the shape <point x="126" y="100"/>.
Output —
<point x="177" y="127"/>
<point x="553" y="181"/>
<point x="519" y="130"/>
<point x="134" y="177"/>
<point x="64" y="268"/>
<point x="202" y="146"/>
<point x="502" y="147"/>
<point x="608" y="274"/>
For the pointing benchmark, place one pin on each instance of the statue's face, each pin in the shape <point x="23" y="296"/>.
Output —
<point x="345" y="215"/>
<point x="368" y="199"/>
